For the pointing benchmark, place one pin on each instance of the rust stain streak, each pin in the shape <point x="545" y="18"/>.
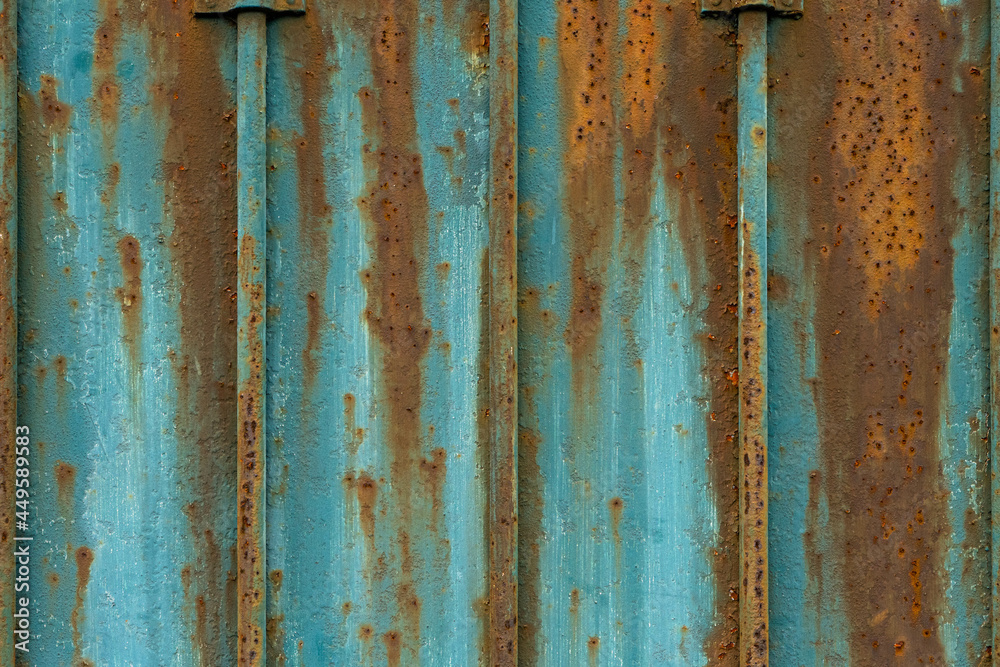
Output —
<point x="198" y="169"/>
<point x="308" y="49"/>
<point x="65" y="475"/>
<point x="892" y="131"/>
<point x="130" y="296"/>
<point x="84" y="559"/>
<point x="395" y="206"/>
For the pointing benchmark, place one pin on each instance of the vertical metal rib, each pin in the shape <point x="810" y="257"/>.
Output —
<point x="250" y="158"/>
<point x="503" y="332"/>
<point x="8" y="318"/>
<point x="995" y="313"/>
<point x="752" y="160"/>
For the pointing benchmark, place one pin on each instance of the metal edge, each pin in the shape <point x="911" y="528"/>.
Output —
<point x="785" y="8"/>
<point x="8" y="319"/>
<point x="503" y="332"/>
<point x="216" y="7"/>
<point x="752" y="182"/>
<point x="251" y="240"/>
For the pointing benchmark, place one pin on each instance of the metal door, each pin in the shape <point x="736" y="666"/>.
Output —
<point x="550" y="332"/>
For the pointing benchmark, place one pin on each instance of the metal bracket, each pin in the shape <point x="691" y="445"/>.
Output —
<point x="230" y="6"/>
<point x="791" y="8"/>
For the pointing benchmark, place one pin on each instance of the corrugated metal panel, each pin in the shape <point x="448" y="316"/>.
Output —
<point x="126" y="330"/>
<point x="629" y="550"/>
<point x="524" y="398"/>
<point x="378" y="144"/>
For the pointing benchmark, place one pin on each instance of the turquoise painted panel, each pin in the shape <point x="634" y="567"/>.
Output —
<point x="126" y="336"/>
<point x="377" y="369"/>
<point x="627" y="306"/>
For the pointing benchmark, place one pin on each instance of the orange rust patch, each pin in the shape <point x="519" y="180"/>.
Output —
<point x="308" y="43"/>
<point x="433" y="471"/>
<point x="392" y="647"/>
<point x="54" y="112"/>
<point x="353" y="436"/>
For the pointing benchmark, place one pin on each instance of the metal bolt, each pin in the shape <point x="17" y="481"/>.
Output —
<point x="716" y="3"/>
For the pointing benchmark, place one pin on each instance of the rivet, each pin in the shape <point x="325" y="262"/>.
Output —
<point x="716" y="3"/>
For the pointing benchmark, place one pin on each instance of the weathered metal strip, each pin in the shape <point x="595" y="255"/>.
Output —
<point x="252" y="247"/>
<point x="752" y="178"/>
<point x="994" y="292"/>
<point x="8" y="321"/>
<point x="503" y="332"/>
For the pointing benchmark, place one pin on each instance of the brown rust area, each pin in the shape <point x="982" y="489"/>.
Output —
<point x="895" y="111"/>
<point x="250" y="448"/>
<point x="276" y="641"/>
<point x="482" y="607"/>
<point x="393" y="646"/>
<point x="55" y="113"/>
<point x="531" y="506"/>
<point x="586" y="38"/>
<point x="130" y="296"/>
<point x="754" y="637"/>
<point x="593" y="651"/>
<point x="367" y="490"/>
<point x="503" y="524"/>
<point x="8" y="327"/>
<point x="84" y="560"/>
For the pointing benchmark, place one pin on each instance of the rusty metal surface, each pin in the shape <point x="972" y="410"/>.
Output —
<point x="8" y="319"/>
<point x="878" y="321"/>
<point x="455" y="476"/>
